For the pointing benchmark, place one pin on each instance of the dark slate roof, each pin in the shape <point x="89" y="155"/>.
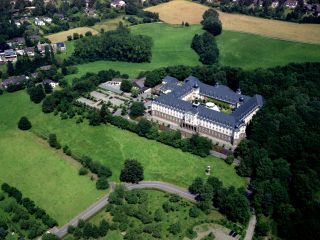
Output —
<point x="60" y="44"/>
<point x="220" y="92"/>
<point x="173" y="100"/>
<point x="9" y="52"/>
<point x="140" y="84"/>
<point x="247" y="107"/>
<point x="170" y="80"/>
<point x="48" y="81"/>
<point x="14" y="80"/>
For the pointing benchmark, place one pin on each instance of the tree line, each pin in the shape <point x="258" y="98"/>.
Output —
<point x="28" y="204"/>
<point x="205" y="44"/>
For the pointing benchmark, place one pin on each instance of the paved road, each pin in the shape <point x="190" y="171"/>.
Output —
<point x="251" y="227"/>
<point x="92" y="210"/>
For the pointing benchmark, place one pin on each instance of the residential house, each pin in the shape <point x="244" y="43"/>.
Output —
<point x="10" y="55"/>
<point x="16" y="42"/>
<point x="275" y="4"/>
<point x="60" y="46"/>
<point x="29" y="51"/>
<point x="14" y="80"/>
<point x="139" y="83"/>
<point x="45" y="68"/>
<point x="39" y="22"/>
<point x="42" y="47"/>
<point x="50" y="82"/>
<point x="291" y="4"/>
<point x="47" y="20"/>
<point x="117" y="4"/>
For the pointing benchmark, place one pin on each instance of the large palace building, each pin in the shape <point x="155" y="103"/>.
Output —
<point x="216" y="112"/>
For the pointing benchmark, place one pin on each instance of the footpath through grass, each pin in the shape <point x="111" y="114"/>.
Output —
<point x="172" y="46"/>
<point x="36" y="169"/>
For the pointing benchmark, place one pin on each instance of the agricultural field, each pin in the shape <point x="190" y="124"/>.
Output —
<point x="174" y="12"/>
<point x="172" y="47"/>
<point x="62" y="36"/>
<point x="154" y="200"/>
<point x="37" y="170"/>
<point x="107" y="144"/>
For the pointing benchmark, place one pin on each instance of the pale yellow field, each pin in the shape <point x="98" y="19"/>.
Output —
<point x="110" y="24"/>
<point x="62" y="36"/>
<point x="176" y="11"/>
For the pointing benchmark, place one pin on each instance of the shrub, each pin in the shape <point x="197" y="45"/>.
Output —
<point x="24" y="124"/>
<point x="132" y="172"/>
<point x="194" y="212"/>
<point x="229" y="160"/>
<point x="175" y="228"/>
<point x="53" y="142"/>
<point x="83" y="171"/>
<point x="102" y="183"/>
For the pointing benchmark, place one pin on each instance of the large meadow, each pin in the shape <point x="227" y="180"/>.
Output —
<point x="52" y="181"/>
<point x="40" y="172"/>
<point x="172" y="46"/>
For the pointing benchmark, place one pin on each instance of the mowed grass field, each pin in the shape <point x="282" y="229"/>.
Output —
<point x="174" y="12"/>
<point x="42" y="174"/>
<point x="62" y="36"/>
<point x="111" y="146"/>
<point x="250" y="51"/>
<point x="172" y="46"/>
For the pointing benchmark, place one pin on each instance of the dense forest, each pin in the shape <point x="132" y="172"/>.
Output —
<point x="117" y="45"/>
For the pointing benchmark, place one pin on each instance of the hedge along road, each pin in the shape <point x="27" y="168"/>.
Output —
<point x="95" y="208"/>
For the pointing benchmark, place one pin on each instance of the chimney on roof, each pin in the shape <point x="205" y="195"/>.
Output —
<point x="238" y="91"/>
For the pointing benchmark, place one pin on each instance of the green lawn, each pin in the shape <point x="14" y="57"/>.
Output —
<point x="36" y="169"/>
<point x="251" y="51"/>
<point x="112" y="146"/>
<point x="154" y="201"/>
<point x="172" y="47"/>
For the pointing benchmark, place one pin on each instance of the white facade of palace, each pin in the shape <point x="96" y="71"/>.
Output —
<point x="178" y="109"/>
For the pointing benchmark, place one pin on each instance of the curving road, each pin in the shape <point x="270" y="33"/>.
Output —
<point x="182" y="192"/>
<point x="92" y="210"/>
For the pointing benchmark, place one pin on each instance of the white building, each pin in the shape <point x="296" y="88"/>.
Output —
<point x="118" y="4"/>
<point x="181" y="108"/>
<point x="39" y="22"/>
